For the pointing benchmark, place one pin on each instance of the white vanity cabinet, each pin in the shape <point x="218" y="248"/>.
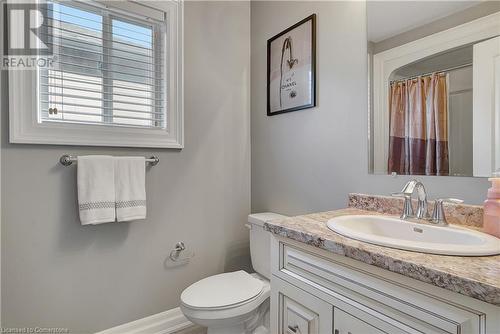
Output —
<point x="317" y="292"/>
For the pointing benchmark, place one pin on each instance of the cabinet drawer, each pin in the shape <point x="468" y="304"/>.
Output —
<point x="345" y="323"/>
<point x="293" y="311"/>
<point x="410" y="309"/>
<point x="350" y="319"/>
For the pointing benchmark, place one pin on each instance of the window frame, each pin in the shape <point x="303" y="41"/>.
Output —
<point x="24" y="98"/>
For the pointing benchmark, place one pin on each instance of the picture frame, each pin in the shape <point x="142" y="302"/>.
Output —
<point x="291" y="68"/>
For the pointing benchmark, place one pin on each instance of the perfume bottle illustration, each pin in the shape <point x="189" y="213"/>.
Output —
<point x="288" y="83"/>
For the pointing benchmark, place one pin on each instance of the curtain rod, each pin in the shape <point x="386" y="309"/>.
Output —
<point x="429" y="73"/>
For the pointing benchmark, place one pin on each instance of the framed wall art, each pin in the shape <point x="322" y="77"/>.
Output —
<point x="291" y="68"/>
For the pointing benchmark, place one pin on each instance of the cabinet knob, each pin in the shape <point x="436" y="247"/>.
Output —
<point x="336" y="331"/>
<point x="293" y="329"/>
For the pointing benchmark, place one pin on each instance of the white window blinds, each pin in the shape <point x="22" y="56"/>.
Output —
<point x="109" y="67"/>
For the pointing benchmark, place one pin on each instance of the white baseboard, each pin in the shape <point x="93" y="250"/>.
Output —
<point x="168" y="322"/>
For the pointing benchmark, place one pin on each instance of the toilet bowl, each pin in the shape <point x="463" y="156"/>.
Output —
<point x="236" y="302"/>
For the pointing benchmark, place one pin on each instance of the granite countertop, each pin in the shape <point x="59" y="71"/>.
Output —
<point x="476" y="277"/>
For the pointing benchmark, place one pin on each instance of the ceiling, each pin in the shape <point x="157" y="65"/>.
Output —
<point x="390" y="18"/>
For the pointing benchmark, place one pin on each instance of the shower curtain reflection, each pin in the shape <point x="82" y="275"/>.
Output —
<point x="418" y="137"/>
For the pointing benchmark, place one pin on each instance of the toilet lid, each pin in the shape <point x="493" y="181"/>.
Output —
<point x="222" y="290"/>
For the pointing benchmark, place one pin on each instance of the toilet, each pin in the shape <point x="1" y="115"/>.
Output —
<point x="236" y="302"/>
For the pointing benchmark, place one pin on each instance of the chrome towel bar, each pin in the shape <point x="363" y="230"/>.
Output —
<point x="68" y="160"/>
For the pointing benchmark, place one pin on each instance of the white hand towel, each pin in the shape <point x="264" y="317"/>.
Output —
<point x="96" y="189"/>
<point x="130" y="188"/>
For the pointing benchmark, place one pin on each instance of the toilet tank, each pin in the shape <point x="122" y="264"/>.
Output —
<point x="260" y="242"/>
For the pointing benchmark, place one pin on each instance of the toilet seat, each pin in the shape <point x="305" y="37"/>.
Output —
<point x="236" y="301"/>
<point x="222" y="291"/>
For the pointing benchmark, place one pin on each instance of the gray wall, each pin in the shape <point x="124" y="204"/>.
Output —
<point x="461" y="119"/>
<point x="309" y="160"/>
<point x="56" y="272"/>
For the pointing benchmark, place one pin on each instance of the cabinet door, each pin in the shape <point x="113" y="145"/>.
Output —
<point x="294" y="311"/>
<point x="345" y="323"/>
<point x="298" y="318"/>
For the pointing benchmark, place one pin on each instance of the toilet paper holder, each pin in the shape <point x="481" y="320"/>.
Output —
<point x="175" y="254"/>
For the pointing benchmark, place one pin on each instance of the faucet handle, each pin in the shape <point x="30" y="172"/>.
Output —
<point x="400" y="194"/>
<point x="407" y="206"/>
<point x="449" y="200"/>
<point x="438" y="216"/>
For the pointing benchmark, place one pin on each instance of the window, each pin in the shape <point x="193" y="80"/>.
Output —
<point x="109" y="69"/>
<point x="116" y="78"/>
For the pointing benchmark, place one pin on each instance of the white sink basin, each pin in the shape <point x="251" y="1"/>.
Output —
<point x="401" y="234"/>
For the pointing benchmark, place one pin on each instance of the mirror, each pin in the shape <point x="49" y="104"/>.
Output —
<point x="434" y="87"/>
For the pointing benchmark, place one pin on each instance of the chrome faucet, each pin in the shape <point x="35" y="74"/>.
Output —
<point x="438" y="216"/>
<point x="406" y="193"/>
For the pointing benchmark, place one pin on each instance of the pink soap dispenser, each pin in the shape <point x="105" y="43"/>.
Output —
<point x="491" y="220"/>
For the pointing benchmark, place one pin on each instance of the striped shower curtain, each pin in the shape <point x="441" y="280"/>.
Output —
<point x="418" y="135"/>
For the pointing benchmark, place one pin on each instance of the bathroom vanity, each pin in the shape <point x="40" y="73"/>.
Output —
<point x="323" y="283"/>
